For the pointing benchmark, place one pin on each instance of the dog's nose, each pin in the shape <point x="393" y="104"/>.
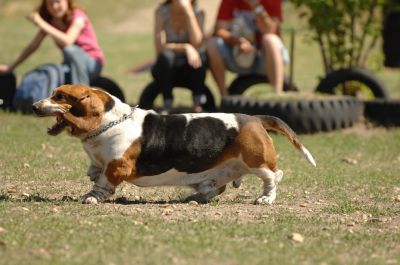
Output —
<point x="35" y="108"/>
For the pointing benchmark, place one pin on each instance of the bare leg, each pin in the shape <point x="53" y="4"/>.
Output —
<point x="217" y="66"/>
<point x="273" y="61"/>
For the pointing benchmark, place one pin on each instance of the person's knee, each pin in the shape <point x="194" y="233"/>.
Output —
<point x="163" y="65"/>
<point x="270" y="40"/>
<point x="70" y="50"/>
<point x="166" y="58"/>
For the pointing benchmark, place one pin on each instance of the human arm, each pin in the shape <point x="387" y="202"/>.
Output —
<point x="194" y="23"/>
<point x="161" y="43"/>
<point x="61" y="38"/>
<point x="222" y="31"/>
<point x="31" y="48"/>
<point x="265" y="22"/>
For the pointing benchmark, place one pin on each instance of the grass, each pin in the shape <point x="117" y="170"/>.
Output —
<point x="346" y="212"/>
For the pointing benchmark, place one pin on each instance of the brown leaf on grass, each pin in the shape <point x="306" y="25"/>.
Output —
<point x="44" y="253"/>
<point x="2" y="230"/>
<point x="296" y="237"/>
<point x="350" y="161"/>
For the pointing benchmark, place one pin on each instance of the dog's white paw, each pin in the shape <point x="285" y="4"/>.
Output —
<point x="90" y="200"/>
<point x="264" y="200"/>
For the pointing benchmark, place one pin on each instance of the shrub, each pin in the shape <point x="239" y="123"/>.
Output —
<point x="346" y="30"/>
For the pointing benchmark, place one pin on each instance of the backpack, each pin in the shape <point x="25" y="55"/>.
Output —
<point x="8" y="84"/>
<point x="36" y="85"/>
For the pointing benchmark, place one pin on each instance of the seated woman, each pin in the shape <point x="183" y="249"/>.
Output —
<point x="181" y="57"/>
<point x="72" y="32"/>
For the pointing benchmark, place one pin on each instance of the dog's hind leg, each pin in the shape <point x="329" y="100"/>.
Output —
<point x="215" y="184"/>
<point x="206" y="191"/>
<point x="270" y="180"/>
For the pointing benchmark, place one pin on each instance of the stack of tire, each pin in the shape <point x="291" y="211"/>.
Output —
<point x="381" y="110"/>
<point x="321" y="115"/>
<point x="303" y="116"/>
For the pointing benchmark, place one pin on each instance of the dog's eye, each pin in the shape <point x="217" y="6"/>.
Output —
<point x="59" y="97"/>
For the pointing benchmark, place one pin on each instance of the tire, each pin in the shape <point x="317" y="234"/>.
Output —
<point x="303" y="116"/>
<point x="108" y="85"/>
<point x="335" y="78"/>
<point x="242" y="82"/>
<point x="151" y="91"/>
<point x="383" y="112"/>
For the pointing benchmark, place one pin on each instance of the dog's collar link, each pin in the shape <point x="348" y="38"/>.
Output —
<point x="110" y="125"/>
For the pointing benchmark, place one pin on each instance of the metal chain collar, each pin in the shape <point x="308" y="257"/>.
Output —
<point x="110" y="125"/>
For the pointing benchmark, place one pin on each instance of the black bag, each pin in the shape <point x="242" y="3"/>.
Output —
<point x="8" y="84"/>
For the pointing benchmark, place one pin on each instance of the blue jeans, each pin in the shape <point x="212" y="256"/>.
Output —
<point x="82" y="67"/>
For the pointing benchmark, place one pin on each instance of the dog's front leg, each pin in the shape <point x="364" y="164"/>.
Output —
<point x="94" y="172"/>
<point x="102" y="190"/>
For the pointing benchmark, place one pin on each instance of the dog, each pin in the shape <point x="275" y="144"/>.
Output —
<point x="205" y="151"/>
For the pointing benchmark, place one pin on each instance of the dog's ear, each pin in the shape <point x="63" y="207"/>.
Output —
<point x="106" y="100"/>
<point x="82" y="105"/>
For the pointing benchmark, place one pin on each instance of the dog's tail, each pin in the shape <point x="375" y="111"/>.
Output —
<point x="278" y="125"/>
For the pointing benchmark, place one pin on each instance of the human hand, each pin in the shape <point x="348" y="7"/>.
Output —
<point x="193" y="56"/>
<point x="34" y="17"/>
<point x="245" y="46"/>
<point x="4" y="69"/>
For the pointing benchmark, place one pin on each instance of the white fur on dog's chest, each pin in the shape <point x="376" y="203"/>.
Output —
<point x="113" y="143"/>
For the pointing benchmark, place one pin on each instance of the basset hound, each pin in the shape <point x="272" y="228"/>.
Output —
<point x="205" y="151"/>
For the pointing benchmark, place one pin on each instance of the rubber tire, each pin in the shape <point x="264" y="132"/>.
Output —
<point x="108" y="85"/>
<point x="303" y="116"/>
<point x="334" y="78"/>
<point x="383" y="112"/>
<point x="150" y="93"/>
<point x="242" y="82"/>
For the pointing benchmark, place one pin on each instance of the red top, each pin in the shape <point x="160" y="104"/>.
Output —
<point x="227" y="8"/>
<point x="87" y="39"/>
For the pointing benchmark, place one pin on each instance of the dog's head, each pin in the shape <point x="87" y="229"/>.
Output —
<point x="77" y="108"/>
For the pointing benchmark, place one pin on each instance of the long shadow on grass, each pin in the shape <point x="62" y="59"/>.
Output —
<point x="126" y="201"/>
<point x="120" y="200"/>
<point x="35" y="198"/>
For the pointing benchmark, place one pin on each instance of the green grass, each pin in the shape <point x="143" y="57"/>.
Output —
<point x="346" y="212"/>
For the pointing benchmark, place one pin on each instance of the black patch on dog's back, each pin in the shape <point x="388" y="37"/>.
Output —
<point x="169" y="142"/>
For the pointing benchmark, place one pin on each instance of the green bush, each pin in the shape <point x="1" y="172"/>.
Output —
<point x="346" y="30"/>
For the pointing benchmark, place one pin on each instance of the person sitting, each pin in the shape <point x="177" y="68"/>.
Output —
<point x="70" y="28"/>
<point x="247" y="40"/>
<point x="181" y="55"/>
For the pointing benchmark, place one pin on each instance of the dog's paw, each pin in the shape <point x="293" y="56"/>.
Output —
<point x="264" y="200"/>
<point x="199" y="198"/>
<point x="90" y="200"/>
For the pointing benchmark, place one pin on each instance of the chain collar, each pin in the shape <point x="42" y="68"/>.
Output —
<point x="109" y="125"/>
